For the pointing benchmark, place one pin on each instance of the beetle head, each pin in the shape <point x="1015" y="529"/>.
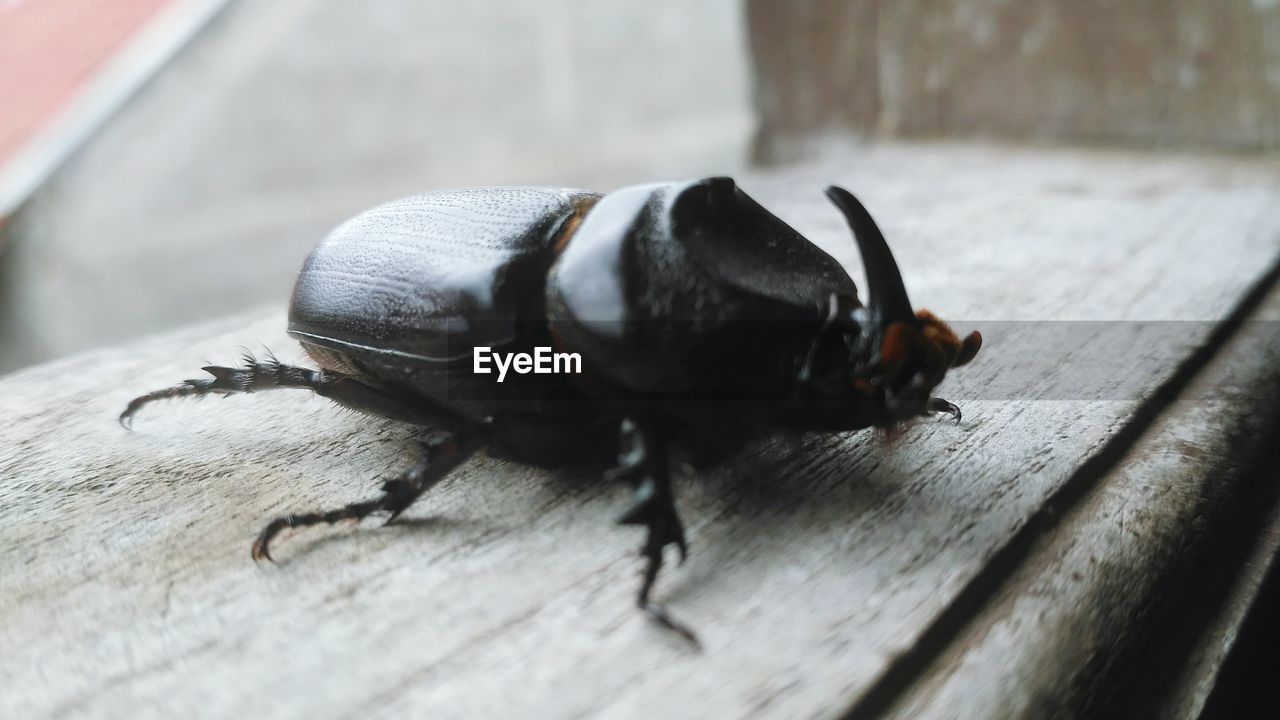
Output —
<point x="898" y="355"/>
<point x="908" y="362"/>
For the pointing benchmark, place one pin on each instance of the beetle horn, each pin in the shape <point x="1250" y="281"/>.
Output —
<point x="886" y="295"/>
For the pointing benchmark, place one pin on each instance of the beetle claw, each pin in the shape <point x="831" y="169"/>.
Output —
<point x="260" y="551"/>
<point x="937" y="405"/>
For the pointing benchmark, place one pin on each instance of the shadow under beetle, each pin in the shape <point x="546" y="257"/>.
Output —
<point x="702" y="321"/>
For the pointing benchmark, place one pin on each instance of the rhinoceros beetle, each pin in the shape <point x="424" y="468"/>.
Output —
<point x="702" y="321"/>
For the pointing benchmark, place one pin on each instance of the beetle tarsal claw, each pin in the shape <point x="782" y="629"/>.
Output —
<point x="261" y="549"/>
<point x="439" y="456"/>
<point x="938" y="405"/>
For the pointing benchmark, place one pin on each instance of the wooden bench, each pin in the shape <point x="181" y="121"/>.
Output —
<point x="1074" y="544"/>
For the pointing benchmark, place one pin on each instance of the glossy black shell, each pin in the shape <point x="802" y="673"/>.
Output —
<point x="691" y="290"/>
<point x="688" y="290"/>
<point x="405" y="292"/>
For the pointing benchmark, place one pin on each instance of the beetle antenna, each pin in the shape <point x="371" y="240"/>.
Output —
<point x="886" y="294"/>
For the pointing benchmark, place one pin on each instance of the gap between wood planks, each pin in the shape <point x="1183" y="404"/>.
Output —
<point x="904" y="671"/>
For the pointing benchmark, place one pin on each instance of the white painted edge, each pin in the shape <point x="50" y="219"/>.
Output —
<point x="112" y="85"/>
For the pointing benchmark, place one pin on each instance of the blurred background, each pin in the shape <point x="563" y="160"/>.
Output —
<point x="224" y="139"/>
<point x="167" y="161"/>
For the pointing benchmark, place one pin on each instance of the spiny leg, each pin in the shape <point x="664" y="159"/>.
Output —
<point x="442" y="451"/>
<point x="256" y="376"/>
<point x="643" y="459"/>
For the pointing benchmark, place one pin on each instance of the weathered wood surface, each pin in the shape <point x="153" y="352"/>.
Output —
<point x="1125" y="553"/>
<point x="843" y="572"/>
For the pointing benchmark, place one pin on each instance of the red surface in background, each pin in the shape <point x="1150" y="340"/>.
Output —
<point x="49" y="49"/>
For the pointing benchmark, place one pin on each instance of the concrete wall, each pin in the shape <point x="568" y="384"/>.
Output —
<point x="204" y="194"/>
<point x="1159" y="73"/>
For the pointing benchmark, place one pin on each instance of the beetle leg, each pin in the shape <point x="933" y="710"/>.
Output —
<point x="643" y="459"/>
<point x="937" y="405"/>
<point x="256" y="376"/>
<point x="442" y="451"/>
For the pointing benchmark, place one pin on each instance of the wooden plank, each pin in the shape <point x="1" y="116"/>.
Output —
<point x="814" y="565"/>
<point x="1151" y="530"/>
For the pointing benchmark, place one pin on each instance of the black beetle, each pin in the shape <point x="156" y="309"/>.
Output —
<point x="702" y="321"/>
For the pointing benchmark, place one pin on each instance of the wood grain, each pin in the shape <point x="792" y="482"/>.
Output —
<point x="815" y="567"/>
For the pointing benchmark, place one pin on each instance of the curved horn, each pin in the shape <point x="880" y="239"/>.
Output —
<point x="886" y="295"/>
